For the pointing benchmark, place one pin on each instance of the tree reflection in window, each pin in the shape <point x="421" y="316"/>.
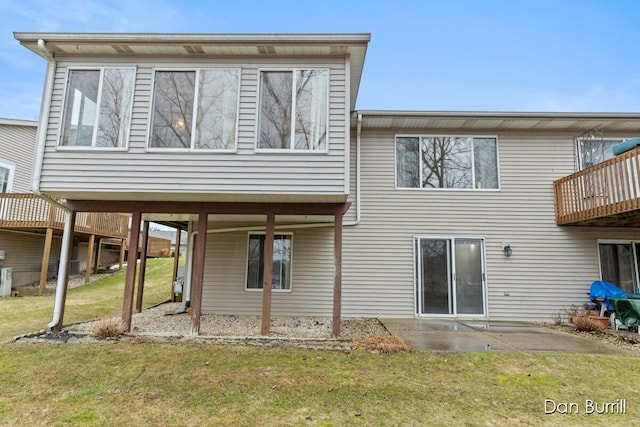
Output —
<point x="307" y="104"/>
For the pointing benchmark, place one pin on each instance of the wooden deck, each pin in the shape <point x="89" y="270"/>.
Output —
<point x="607" y="194"/>
<point x="28" y="211"/>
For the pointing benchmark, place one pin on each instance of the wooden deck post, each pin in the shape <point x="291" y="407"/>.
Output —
<point x="123" y="245"/>
<point x="143" y="266"/>
<point x="132" y="262"/>
<point x="96" y="261"/>
<point x="66" y="259"/>
<point x="198" y="273"/>
<point x="46" y="254"/>
<point x="87" y="273"/>
<point x="267" y="275"/>
<point x="337" y="278"/>
<point x="176" y="258"/>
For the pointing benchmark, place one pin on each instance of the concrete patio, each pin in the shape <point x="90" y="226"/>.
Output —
<point x="460" y="335"/>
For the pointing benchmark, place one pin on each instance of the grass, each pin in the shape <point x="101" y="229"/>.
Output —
<point x="129" y="383"/>
<point x="205" y="384"/>
<point x="99" y="299"/>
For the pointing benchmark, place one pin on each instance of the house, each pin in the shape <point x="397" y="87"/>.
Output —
<point x="297" y="203"/>
<point x="31" y="228"/>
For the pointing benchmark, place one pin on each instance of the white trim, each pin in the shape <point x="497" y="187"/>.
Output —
<point x="11" y="167"/>
<point x="196" y="95"/>
<point x="92" y="147"/>
<point x="421" y="188"/>
<point x="291" y="148"/>
<point x="246" y="263"/>
<point x="347" y="121"/>
<point x="417" y="302"/>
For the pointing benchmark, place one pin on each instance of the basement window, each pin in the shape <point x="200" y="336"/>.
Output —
<point x="282" y="249"/>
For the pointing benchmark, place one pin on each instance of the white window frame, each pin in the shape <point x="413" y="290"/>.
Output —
<point x="473" y="166"/>
<point x="246" y="263"/>
<point x="417" y="296"/>
<point x="196" y="96"/>
<point x="291" y="148"/>
<point x="93" y="147"/>
<point x="5" y="164"/>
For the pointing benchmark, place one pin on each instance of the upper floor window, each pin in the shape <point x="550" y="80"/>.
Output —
<point x="195" y="109"/>
<point x="452" y="162"/>
<point x="592" y="151"/>
<point x="294" y="110"/>
<point x="6" y="177"/>
<point x="97" y="109"/>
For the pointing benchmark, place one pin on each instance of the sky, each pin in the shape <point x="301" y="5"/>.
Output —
<point x="447" y="55"/>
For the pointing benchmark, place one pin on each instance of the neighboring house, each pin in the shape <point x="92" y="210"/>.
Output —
<point x="31" y="228"/>
<point x="298" y="204"/>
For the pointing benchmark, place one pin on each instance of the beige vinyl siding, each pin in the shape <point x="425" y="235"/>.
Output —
<point x="137" y="170"/>
<point x="17" y="146"/>
<point x="312" y="276"/>
<point x="551" y="267"/>
<point x="23" y="253"/>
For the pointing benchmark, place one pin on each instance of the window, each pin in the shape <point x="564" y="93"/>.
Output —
<point x="6" y="177"/>
<point x="281" y="277"/>
<point x="620" y="264"/>
<point x="195" y="109"/>
<point x="293" y="111"/>
<point x="97" y="110"/>
<point x="592" y="151"/>
<point x="446" y="162"/>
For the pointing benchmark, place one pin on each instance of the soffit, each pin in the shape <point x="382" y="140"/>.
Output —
<point x="499" y="121"/>
<point x="204" y="45"/>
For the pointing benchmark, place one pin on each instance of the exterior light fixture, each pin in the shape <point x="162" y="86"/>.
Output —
<point x="506" y="248"/>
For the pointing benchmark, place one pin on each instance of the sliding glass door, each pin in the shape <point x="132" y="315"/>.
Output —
<point x="619" y="264"/>
<point x="450" y="276"/>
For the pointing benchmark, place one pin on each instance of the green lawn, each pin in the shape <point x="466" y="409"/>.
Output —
<point x="204" y="384"/>
<point x="157" y="384"/>
<point x="102" y="298"/>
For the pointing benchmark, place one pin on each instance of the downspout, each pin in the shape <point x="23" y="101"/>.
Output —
<point x="41" y="136"/>
<point x="37" y="174"/>
<point x="62" y="273"/>
<point x="358" y="211"/>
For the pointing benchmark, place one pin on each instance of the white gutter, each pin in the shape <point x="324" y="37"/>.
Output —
<point x="62" y="273"/>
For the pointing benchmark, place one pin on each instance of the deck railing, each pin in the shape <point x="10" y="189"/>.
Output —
<point x="608" y="189"/>
<point x="30" y="211"/>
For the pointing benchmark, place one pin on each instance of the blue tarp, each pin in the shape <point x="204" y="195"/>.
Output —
<point x="605" y="290"/>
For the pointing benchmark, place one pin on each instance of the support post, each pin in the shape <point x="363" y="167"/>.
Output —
<point x="46" y="254"/>
<point x="63" y="272"/>
<point x="123" y="244"/>
<point x="132" y="261"/>
<point x="96" y="261"/>
<point x="176" y="260"/>
<point x="267" y="275"/>
<point x="87" y="273"/>
<point x="337" y="274"/>
<point x="143" y="266"/>
<point x="198" y="274"/>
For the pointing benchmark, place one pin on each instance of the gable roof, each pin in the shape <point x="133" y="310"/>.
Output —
<point x="51" y="45"/>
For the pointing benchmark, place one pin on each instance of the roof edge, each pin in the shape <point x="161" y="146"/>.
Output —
<point x="499" y="114"/>
<point x="18" y="122"/>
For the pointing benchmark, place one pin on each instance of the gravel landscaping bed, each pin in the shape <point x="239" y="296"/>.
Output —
<point x="169" y="320"/>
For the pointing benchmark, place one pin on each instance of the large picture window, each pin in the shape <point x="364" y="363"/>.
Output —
<point x="281" y="276"/>
<point x="446" y="162"/>
<point x="6" y="176"/>
<point x="195" y="109"/>
<point x="97" y="109"/>
<point x="293" y="113"/>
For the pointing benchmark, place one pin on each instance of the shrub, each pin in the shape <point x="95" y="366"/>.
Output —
<point x="585" y="324"/>
<point x="385" y="344"/>
<point x="108" y="328"/>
